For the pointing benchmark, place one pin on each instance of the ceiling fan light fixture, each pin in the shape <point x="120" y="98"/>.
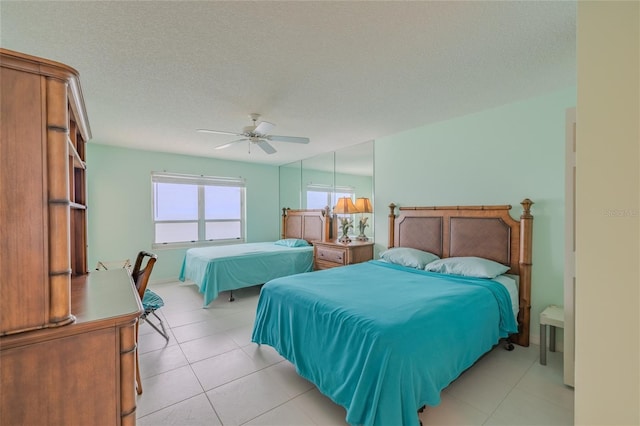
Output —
<point x="257" y="134"/>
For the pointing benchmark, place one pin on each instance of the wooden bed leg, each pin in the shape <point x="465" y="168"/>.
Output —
<point x="421" y="410"/>
<point x="231" y="298"/>
<point x="508" y="345"/>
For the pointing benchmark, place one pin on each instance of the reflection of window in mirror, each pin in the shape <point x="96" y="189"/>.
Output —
<point x="321" y="196"/>
<point x="317" y="172"/>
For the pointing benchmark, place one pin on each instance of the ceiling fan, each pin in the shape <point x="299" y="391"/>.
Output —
<point x="257" y="134"/>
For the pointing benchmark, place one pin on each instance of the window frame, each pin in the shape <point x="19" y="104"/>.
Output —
<point x="201" y="181"/>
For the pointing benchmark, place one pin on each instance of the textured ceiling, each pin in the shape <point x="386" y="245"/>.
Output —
<point x="340" y="73"/>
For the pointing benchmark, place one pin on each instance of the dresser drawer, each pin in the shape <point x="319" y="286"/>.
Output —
<point x="332" y="255"/>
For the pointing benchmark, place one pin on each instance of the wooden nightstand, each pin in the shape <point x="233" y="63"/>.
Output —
<point x="332" y="253"/>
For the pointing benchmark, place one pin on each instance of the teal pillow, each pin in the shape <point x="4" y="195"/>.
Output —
<point x="292" y="242"/>
<point x="410" y="257"/>
<point x="468" y="266"/>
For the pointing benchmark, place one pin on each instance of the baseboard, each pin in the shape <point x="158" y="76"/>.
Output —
<point x="534" y="339"/>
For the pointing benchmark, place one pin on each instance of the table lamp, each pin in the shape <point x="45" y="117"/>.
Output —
<point x="363" y="205"/>
<point x="345" y="206"/>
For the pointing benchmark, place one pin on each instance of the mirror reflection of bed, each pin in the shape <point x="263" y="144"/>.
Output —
<point x="383" y="338"/>
<point x="231" y="267"/>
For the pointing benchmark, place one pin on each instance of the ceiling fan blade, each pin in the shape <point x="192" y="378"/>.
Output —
<point x="226" y="145"/>
<point x="264" y="128"/>
<point x="218" y="132"/>
<point x="293" y="139"/>
<point x="266" y="147"/>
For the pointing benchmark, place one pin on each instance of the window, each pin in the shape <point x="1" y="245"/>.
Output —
<point x="319" y="196"/>
<point x="191" y="209"/>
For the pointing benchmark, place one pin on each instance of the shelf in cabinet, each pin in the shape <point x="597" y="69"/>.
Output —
<point x="77" y="160"/>
<point x="77" y="206"/>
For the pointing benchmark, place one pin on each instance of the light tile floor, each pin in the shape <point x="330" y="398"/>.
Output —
<point x="209" y="373"/>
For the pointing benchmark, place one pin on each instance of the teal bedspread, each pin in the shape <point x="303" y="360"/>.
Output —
<point x="379" y="339"/>
<point x="219" y="268"/>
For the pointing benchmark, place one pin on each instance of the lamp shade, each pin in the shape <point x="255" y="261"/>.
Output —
<point x="363" y="205"/>
<point x="345" y="206"/>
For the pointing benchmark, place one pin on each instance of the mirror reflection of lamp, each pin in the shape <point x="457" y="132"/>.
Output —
<point x="363" y="205"/>
<point x="345" y="206"/>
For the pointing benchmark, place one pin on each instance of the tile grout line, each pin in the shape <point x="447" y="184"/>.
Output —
<point x="510" y="391"/>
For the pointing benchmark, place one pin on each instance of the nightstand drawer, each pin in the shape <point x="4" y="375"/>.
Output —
<point x="331" y="255"/>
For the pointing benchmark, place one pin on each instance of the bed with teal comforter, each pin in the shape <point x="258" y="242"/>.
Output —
<point x="230" y="267"/>
<point x="379" y="339"/>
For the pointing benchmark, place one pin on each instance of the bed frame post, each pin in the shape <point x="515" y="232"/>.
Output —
<point x="392" y="225"/>
<point x="328" y="222"/>
<point x="284" y="221"/>
<point x="526" y="234"/>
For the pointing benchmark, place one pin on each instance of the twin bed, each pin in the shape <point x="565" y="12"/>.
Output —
<point x="230" y="267"/>
<point x="383" y="338"/>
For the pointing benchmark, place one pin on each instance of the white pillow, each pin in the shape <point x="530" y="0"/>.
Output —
<point x="410" y="257"/>
<point x="468" y="267"/>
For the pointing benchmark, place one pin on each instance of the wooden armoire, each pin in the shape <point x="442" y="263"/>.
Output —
<point x="67" y="336"/>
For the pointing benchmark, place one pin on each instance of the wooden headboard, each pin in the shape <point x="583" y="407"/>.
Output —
<point x="311" y="225"/>
<point x="482" y="231"/>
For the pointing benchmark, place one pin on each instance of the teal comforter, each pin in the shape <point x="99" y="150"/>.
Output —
<point x="219" y="268"/>
<point x="379" y="339"/>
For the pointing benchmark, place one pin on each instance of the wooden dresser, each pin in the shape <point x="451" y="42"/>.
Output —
<point x="330" y="254"/>
<point x="67" y="338"/>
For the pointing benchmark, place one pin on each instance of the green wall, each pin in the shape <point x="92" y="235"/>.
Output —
<point x="496" y="156"/>
<point x="291" y="185"/>
<point x="119" y="187"/>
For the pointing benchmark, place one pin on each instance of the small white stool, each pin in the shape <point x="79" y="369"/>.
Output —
<point x="553" y="316"/>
